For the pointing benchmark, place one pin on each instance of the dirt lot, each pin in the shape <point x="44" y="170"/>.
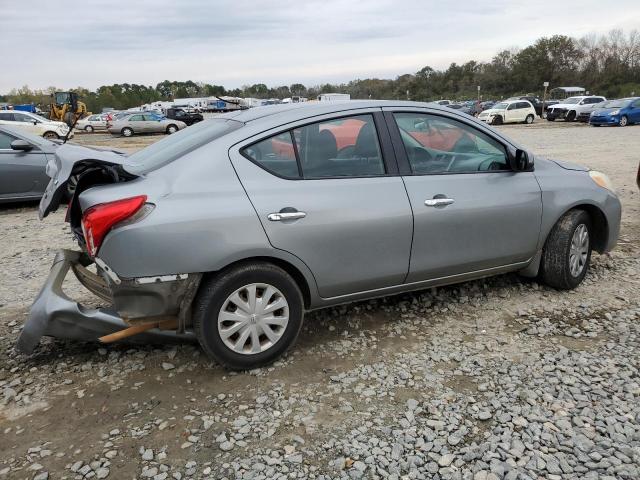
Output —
<point x="497" y="378"/>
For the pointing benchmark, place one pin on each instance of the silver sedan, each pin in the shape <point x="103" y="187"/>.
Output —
<point x="144" y="122"/>
<point x="228" y="232"/>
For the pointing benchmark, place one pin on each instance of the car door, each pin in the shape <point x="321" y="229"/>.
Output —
<point x="138" y="123"/>
<point x="471" y="211"/>
<point x="328" y="192"/>
<point x="634" y="111"/>
<point x="511" y="114"/>
<point x="27" y="123"/>
<point x="22" y="174"/>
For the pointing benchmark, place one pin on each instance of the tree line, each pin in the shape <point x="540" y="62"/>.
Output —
<point x="603" y="64"/>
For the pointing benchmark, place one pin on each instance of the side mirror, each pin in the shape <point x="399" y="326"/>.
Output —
<point x="35" y="122"/>
<point x="521" y="162"/>
<point x="21" y="145"/>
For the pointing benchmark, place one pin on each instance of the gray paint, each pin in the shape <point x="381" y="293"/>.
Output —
<point x="355" y="243"/>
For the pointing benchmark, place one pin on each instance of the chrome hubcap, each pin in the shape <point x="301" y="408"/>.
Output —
<point x="579" y="250"/>
<point x="253" y="318"/>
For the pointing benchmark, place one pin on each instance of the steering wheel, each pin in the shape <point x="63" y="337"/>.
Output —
<point x="489" y="164"/>
<point x="420" y="154"/>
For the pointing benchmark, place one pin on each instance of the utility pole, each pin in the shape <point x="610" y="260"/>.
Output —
<point x="478" y="92"/>
<point x="544" y="98"/>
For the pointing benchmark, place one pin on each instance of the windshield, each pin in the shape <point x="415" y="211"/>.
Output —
<point x="571" y="100"/>
<point x="614" y="104"/>
<point x="170" y="148"/>
<point x="500" y="106"/>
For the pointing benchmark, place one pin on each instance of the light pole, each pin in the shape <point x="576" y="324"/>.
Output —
<point x="544" y="98"/>
<point x="478" y="92"/>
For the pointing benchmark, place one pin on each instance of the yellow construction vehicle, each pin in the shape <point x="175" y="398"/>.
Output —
<point x="65" y="107"/>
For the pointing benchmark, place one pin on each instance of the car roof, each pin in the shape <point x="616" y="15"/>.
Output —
<point x="308" y="109"/>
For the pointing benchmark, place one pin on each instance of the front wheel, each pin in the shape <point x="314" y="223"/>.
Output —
<point x="497" y="120"/>
<point x="50" y="135"/>
<point x="172" y="129"/>
<point x="127" y="132"/>
<point x="571" y="116"/>
<point x="248" y="316"/>
<point x="529" y="119"/>
<point x="567" y="251"/>
<point x="88" y="129"/>
<point x="624" y="121"/>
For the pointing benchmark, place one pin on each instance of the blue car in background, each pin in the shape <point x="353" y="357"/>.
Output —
<point x="619" y="112"/>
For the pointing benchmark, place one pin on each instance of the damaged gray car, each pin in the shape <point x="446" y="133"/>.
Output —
<point x="228" y="231"/>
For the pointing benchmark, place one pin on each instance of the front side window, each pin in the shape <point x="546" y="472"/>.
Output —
<point x="21" y="117"/>
<point x="5" y="141"/>
<point x="436" y="145"/>
<point x="6" y="116"/>
<point x="344" y="147"/>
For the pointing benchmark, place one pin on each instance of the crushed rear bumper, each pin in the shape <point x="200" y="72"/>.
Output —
<point x="54" y="314"/>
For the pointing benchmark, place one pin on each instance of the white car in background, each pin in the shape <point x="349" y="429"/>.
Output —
<point x="509" y="111"/>
<point x="570" y="108"/>
<point x="92" y="122"/>
<point x="30" y="122"/>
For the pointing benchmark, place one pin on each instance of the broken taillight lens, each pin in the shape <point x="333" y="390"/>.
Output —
<point x="99" y="219"/>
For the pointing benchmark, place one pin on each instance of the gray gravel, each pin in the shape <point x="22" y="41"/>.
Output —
<point x="495" y="379"/>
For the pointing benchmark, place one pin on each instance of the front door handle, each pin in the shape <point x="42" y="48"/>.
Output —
<point x="280" y="216"/>
<point x="438" y="202"/>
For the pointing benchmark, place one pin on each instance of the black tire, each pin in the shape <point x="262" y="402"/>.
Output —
<point x="88" y="129"/>
<point x="171" y="129"/>
<point x="555" y="268"/>
<point x="212" y="296"/>
<point x="550" y="119"/>
<point x="529" y="119"/>
<point x="571" y="116"/>
<point x="497" y="120"/>
<point x="50" y="135"/>
<point x="624" y="121"/>
<point x="127" y="132"/>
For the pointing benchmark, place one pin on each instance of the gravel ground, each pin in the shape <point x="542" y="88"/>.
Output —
<point x="494" y="379"/>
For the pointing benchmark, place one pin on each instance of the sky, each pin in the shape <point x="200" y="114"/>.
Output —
<point x="237" y="42"/>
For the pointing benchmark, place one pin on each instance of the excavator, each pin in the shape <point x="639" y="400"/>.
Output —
<point x="65" y="107"/>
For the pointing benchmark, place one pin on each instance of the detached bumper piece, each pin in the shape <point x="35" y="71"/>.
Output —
<point x="53" y="314"/>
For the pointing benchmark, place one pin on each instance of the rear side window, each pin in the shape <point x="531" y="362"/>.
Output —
<point x="344" y="147"/>
<point x="6" y="116"/>
<point x="276" y="155"/>
<point x="136" y="118"/>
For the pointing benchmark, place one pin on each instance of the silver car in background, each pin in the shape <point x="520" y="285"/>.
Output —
<point x="229" y="231"/>
<point x="92" y="123"/>
<point x="23" y="160"/>
<point x="143" y="122"/>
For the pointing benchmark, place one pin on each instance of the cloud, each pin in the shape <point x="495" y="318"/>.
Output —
<point x="236" y="42"/>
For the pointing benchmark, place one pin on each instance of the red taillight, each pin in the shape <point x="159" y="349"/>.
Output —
<point x="99" y="219"/>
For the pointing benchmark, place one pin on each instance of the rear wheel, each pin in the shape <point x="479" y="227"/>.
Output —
<point x="529" y="119"/>
<point x="624" y="121"/>
<point x="567" y="251"/>
<point x="126" y="132"/>
<point x="550" y="119"/>
<point x="248" y="316"/>
<point x="88" y="129"/>
<point x="50" y="135"/>
<point x="172" y="129"/>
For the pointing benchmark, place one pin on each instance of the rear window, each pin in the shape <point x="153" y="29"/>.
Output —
<point x="178" y="144"/>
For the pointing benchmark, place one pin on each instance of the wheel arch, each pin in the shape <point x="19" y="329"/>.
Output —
<point x="298" y="276"/>
<point x="599" y="223"/>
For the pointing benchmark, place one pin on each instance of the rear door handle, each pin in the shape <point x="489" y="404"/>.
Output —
<point x="438" y="202"/>
<point x="280" y="216"/>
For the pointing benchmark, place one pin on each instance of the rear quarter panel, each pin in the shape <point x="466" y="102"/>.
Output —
<point x="203" y="219"/>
